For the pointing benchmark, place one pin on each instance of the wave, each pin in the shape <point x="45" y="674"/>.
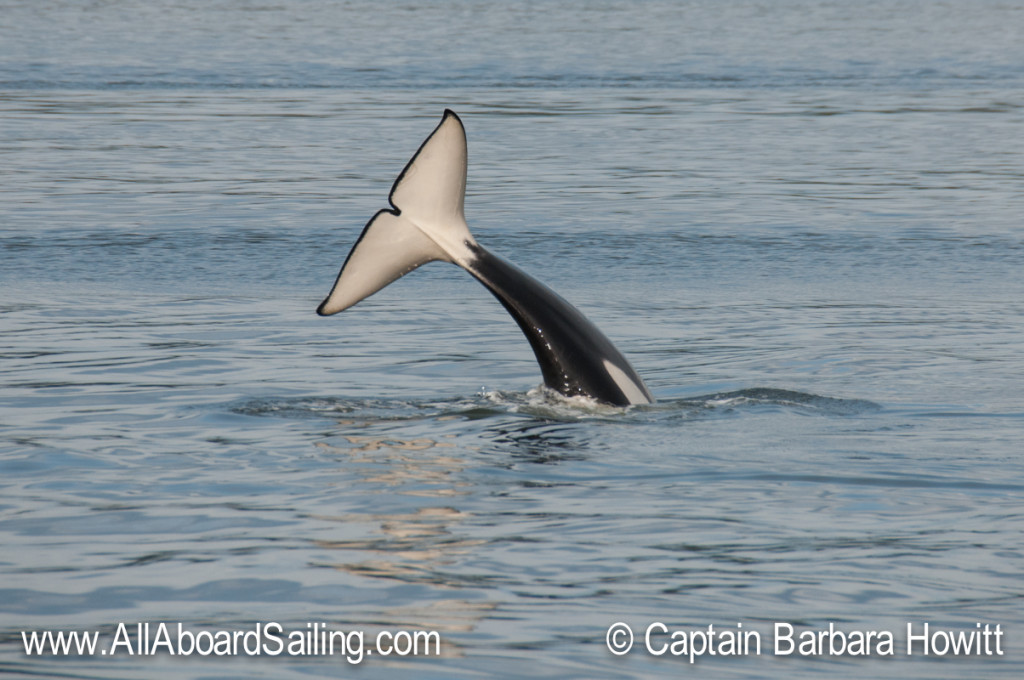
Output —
<point x="544" y="403"/>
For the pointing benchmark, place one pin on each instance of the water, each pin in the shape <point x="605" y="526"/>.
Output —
<point x="800" y="220"/>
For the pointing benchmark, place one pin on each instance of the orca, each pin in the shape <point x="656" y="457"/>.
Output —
<point x="426" y="222"/>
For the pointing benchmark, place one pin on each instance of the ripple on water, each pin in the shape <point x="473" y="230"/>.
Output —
<point x="544" y="403"/>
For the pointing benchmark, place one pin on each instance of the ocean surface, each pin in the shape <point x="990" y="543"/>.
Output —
<point x="802" y="221"/>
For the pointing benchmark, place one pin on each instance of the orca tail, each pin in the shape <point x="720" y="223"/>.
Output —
<point x="426" y="222"/>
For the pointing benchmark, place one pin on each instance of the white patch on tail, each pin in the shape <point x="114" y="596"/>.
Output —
<point x="633" y="392"/>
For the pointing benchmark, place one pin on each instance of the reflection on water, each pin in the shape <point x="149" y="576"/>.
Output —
<point x="411" y="547"/>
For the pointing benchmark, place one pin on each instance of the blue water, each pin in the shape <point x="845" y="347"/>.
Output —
<point x="801" y="221"/>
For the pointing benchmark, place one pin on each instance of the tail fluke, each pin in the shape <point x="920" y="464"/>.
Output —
<point x="426" y="222"/>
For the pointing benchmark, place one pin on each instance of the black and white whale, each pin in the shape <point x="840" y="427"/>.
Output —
<point x="427" y="223"/>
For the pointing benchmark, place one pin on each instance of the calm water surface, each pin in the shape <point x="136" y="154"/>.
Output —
<point x="800" y="220"/>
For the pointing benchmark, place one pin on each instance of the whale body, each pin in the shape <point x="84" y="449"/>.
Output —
<point x="426" y="222"/>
